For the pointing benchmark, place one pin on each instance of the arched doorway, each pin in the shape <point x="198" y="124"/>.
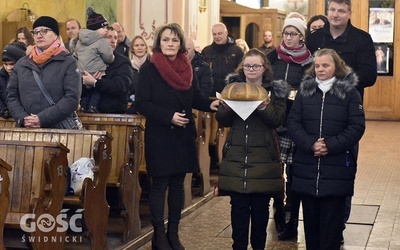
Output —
<point x="252" y="34"/>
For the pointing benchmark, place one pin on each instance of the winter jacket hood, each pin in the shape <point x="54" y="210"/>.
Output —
<point x="88" y="37"/>
<point x="340" y="88"/>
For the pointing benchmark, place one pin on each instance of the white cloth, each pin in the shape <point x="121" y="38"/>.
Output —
<point x="325" y="85"/>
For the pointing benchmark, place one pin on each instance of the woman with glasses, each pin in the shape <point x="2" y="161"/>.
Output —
<point x="58" y="73"/>
<point x="289" y="61"/>
<point x="250" y="171"/>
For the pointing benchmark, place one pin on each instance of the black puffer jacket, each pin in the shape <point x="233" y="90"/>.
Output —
<point x="251" y="161"/>
<point x="292" y="73"/>
<point x="340" y="116"/>
<point x="223" y="59"/>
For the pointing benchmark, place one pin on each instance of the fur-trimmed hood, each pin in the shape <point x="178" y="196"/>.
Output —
<point x="340" y="88"/>
<point x="280" y="88"/>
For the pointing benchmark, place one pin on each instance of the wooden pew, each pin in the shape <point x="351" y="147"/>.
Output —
<point x="4" y="197"/>
<point x="127" y="130"/>
<point x="203" y="141"/>
<point x="81" y="143"/>
<point x="37" y="187"/>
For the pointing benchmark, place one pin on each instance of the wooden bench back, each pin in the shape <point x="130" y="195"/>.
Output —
<point x="4" y="197"/>
<point x="127" y="131"/>
<point x="123" y="128"/>
<point x="37" y="183"/>
<point x="79" y="142"/>
<point x="7" y="123"/>
<point x="82" y="143"/>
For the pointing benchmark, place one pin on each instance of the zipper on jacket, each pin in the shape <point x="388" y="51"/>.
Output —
<point x="246" y="144"/>
<point x="287" y="71"/>
<point x="320" y="136"/>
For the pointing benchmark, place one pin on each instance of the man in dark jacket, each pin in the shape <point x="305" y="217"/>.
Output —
<point x="223" y="55"/>
<point x="201" y="68"/>
<point x="353" y="45"/>
<point x="114" y="86"/>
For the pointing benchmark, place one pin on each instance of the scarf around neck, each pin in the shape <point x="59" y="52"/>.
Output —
<point x="177" y="73"/>
<point x="138" y="62"/>
<point x="40" y="57"/>
<point x="300" y="55"/>
<point x="325" y="85"/>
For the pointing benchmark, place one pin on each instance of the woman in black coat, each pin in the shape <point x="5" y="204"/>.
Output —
<point x="326" y="123"/>
<point x="165" y="95"/>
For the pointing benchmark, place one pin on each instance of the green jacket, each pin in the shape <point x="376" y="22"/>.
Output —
<point x="251" y="161"/>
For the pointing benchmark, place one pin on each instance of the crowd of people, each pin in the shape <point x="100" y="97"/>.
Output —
<point x="308" y="130"/>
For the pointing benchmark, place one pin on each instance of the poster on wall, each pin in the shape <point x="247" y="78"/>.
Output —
<point x="382" y="53"/>
<point x="381" y="24"/>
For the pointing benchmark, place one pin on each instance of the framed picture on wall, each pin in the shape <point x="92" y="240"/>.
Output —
<point x="382" y="53"/>
<point x="381" y="24"/>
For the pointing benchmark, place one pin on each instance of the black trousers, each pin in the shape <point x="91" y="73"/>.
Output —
<point x="323" y="221"/>
<point x="243" y="208"/>
<point x="159" y="186"/>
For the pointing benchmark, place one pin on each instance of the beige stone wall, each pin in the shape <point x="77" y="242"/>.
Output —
<point x="62" y="10"/>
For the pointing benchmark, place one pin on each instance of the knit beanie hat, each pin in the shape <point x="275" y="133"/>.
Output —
<point x="95" y="21"/>
<point x="48" y="22"/>
<point x="296" y="20"/>
<point x="13" y="52"/>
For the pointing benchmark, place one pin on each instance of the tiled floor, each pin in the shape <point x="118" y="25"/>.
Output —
<point x="374" y="223"/>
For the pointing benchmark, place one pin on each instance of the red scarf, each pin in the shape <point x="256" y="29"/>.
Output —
<point x="177" y="73"/>
<point x="300" y="55"/>
<point x="41" y="57"/>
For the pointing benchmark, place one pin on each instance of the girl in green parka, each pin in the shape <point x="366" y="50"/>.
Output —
<point x="250" y="172"/>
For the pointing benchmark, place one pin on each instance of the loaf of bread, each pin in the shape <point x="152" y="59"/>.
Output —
<point x="241" y="91"/>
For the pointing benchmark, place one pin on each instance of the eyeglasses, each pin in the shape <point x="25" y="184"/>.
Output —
<point x="255" y="67"/>
<point x="291" y="34"/>
<point x="42" y="31"/>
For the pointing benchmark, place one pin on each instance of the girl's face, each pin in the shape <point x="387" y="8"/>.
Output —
<point x="139" y="48"/>
<point x="291" y="37"/>
<point x="324" y="67"/>
<point x="170" y="44"/>
<point x="253" y="69"/>
<point x="8" y="66"/>
<point x="21" y="38"/>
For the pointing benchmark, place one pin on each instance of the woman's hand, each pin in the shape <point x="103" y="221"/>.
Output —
<point x="32" y="121"/>
<point x="263" y="105"/>
<point x="214" y="105"/>
<point x="179" y="119"/>
<point x="319" y="148"/>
